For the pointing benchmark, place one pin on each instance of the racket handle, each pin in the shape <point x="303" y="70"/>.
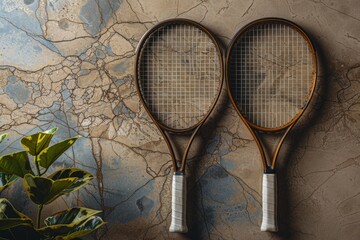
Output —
<point x="178" y="205"/>
<point x="269" y="203"/>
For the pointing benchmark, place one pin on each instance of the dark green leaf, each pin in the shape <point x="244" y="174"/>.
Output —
<point x="71" y="216"/>
<point x="64" y="222"/>
<point x="15" y="163"/>
<point x="10" y="217"/>
<point x="6" y="180"/>
<point x="35" y="143"/>
<point x="3" y="136"/>
<point x="43" y="190"/>
<point x="49" y="155"/>
<point x="84" y="229"/>
<point x="82" y="176"/>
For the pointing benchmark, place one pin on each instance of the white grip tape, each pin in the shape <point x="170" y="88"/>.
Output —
<point x="178" y="214"/>
<point x="269" y="203"/>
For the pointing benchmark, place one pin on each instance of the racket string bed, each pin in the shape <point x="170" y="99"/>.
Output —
<point x="186" y="85"/>
<point x="271" y="76"/>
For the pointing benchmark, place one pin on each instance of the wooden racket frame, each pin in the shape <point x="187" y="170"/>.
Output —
<point x="271" y="168"/>
<point x="162" y="128"/>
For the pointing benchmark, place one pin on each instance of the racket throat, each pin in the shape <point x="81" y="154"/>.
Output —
<point x="269" y="170"/>
<point x="179" y="173"/>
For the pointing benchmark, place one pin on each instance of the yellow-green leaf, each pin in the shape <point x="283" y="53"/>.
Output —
<point x="64" y="222"/>
<point x="84" y="229"/>
<point x="49" y="155"/>
<point x="71" y="216"/>
<point x="10" y="217"/>
<point x="82" y="176"/>
<point x="3" y="136"/>
<point x="6" y="180"/>
<point x="15" y="163"/>
<point x="43" y="190"/>
<point x="35" y="143"/>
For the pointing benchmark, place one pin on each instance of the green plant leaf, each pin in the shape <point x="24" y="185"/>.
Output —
<point x="10" y="217"/>
<point x="73" y="230"/>
<point x="15" y="163"/>
<point x="6" y="180"/>
<point x="3" y="136"/>
<point x="66" y="221"/>
<point x="14" y="224"/>
<point x="43" y="190"/>
<point x="71" y="216"/>
<point x="51" y="131"/>
<point x="35" y="143"/>
<point x="49" y="154"/>
<point x="84" y="229"/>
<point x="82" y="176"/>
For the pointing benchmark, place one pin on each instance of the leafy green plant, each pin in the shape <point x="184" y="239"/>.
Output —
<point x="42" y="189"/>
<point x="5" y="179"/>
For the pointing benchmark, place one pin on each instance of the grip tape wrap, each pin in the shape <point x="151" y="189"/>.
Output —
<point x="178" y="204"/>
<point x="269" y="203"/>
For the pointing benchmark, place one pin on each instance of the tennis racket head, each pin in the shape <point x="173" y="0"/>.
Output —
<point x="179" y="74"/>
<point x="271" y="73"/>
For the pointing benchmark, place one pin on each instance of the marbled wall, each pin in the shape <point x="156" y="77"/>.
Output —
<point x="70" y="64"/>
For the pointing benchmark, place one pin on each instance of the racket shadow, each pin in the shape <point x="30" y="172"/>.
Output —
<point x="196" y="213"/>
<point x="297" y="137"/>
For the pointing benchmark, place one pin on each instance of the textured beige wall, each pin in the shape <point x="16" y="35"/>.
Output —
<point x="70" y="64"/>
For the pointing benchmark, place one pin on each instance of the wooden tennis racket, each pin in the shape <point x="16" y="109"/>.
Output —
<point x="179" y="75"/>
<point x="271" y="75"/>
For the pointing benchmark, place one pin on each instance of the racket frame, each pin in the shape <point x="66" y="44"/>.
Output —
<point x="178" y="223"/>
<point x="269" y="181"/>
<point x="251" y="126"/>
<point x="160" y="126"/>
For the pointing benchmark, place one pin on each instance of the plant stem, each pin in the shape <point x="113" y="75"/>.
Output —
<point x="37" y="165"/>
<point x="39" y="216"/>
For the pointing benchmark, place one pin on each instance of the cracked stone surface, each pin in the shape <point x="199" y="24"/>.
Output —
<point x="70" y="64"/>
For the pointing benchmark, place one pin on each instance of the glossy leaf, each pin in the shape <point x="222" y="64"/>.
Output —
<point x="49" y="154"/>
<point x="3" y="136"/>
<point x="43" y="190"/>
<point x="35" y="143"/>
<point x="64" y="222"/>
<point x="84" y="229"/>
<point x="10" y="217"/>
<point x="71" y="216"/>
<point x="14" y="224"/>
<point x="82" y="176"/>
<point x="6" y="180"/>
<point x="15" y="163"/>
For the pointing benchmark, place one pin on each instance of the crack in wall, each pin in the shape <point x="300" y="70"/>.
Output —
<point x="87" y="88"/>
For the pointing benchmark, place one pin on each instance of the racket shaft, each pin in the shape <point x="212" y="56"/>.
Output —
<point x="269" y="203"/>
<point x="178" y="215"/>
